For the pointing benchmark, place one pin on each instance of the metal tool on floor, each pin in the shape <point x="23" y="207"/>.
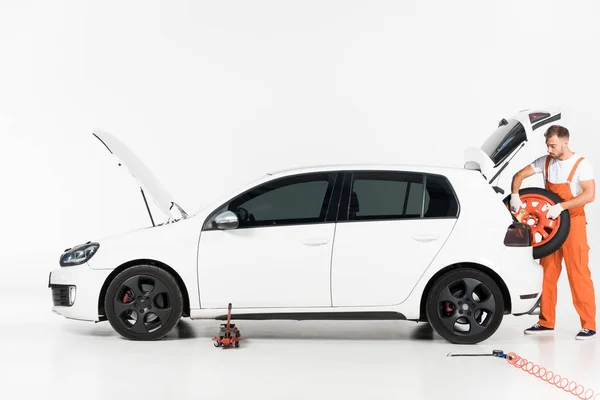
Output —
<point x="539" y="372"/>
<point x="495" y="353"/>
<point x="229" y="335"/>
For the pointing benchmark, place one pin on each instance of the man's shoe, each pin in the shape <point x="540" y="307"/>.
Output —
<point x="585" y="334"/>
<point x="537" y="329"/>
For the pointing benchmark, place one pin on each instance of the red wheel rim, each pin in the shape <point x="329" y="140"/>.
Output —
<point x="533" y="214"/>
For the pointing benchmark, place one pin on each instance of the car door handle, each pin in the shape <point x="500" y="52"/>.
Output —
<point x="314" y="242"/>
<point x="426" y="238"/>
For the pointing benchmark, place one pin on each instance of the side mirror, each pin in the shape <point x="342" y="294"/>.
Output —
<point x="226" y="220"/>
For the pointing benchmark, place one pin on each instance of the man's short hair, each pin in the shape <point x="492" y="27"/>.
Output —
<point x="557" y="130"/>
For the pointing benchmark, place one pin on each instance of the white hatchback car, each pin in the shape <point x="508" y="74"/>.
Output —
<point x="326" y="242"/>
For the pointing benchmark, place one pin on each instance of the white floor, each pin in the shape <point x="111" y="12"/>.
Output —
<point x="46" y="356"/>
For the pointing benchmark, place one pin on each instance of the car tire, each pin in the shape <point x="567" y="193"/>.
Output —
<point x="143" y="302"/>
<point x="534" y="215"/>
<point x="465" y="306"/>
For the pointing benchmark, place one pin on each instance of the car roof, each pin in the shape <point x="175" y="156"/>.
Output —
<point x="367" y="167"/>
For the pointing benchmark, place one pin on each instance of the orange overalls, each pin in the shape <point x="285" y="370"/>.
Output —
<point x="575" y="252"/>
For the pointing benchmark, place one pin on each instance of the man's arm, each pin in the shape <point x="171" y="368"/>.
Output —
<point x="515" y="200"/>
<point x="587" y="196"/>
<point x="520" y="176"/>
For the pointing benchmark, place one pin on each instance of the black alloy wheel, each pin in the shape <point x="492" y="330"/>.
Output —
<point x="143" y="303"/>
<point x="465" y="306"/>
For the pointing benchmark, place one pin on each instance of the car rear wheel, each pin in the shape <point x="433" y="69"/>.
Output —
<point x="465" y="306"/>
<point x="143" y="303"/>
<point x="547" y="234"/>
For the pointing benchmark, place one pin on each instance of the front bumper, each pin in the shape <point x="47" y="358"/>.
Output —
<point x="76" y="291"/>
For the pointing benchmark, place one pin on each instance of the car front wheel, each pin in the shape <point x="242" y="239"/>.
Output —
<point x="465" y="306"/>
<point x="143" y="303"/>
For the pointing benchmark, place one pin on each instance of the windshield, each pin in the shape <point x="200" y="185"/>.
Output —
<point x="504" y="140"/>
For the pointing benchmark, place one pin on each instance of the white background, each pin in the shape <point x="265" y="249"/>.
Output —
<point x="213" y="94"/>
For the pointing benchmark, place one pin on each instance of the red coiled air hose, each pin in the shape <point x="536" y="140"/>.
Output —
<point x="548" y="376"/>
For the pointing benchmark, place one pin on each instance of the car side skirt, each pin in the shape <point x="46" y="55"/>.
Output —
<point x="300" y="316"/>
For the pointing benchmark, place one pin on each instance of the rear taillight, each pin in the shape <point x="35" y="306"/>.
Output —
<point x="518" y="235"/>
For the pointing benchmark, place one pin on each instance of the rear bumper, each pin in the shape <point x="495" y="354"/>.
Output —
<point x="76" y="291"/>
<point x="523" y="276"/>
<point x="535" y="310"/>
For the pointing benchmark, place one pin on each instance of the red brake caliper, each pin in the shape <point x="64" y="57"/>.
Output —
<point x="127" y="297"/>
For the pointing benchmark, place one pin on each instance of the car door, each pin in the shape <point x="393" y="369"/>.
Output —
<point x="390" y="228"/>
<point x="280" y="254"/>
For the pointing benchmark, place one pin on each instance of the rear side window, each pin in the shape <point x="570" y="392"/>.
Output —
<point x="385" y="195"/>
<point x="440" y="200"/>
<point x="390" y="195"/>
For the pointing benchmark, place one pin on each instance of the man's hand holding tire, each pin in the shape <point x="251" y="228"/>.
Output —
<point x="515" y="202"/>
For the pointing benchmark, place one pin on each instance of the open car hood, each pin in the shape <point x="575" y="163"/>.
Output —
<point x="148" y="182"/>
<point x="511" y="135"/>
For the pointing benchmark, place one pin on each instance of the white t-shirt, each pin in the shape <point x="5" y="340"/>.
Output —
<point x="559" y="170"/>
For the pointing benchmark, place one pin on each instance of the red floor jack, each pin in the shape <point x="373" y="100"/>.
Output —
<point x="228" y="335"/>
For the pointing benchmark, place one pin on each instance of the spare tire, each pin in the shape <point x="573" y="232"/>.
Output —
<point x="547" y="234"/>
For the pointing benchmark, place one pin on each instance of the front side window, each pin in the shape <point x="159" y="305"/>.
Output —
<point x="383" y="195"/>
<point x="300" y="199"/>
<point x="506" y="138"/>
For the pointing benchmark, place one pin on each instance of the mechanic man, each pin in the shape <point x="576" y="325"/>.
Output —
<point x="570" y="177"/>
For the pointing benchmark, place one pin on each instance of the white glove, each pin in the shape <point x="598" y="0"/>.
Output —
<point x="554" y="211"/>
<point x="515" y="202"/>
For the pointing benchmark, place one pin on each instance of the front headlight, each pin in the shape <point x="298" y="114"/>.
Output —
<point x="79" y="254"/>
